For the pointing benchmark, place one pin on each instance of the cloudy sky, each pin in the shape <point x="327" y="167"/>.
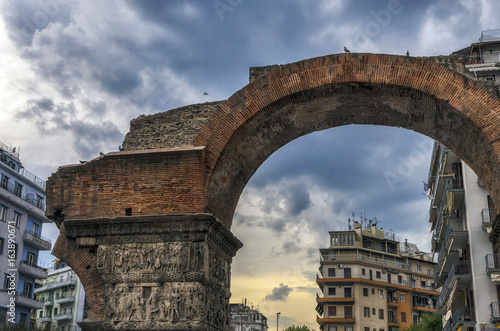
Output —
<point x="74" y="73"/>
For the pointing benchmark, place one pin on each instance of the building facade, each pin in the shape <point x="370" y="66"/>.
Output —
<point x="22" y="215"/>
<point x="244" y="318"/>
<point x="371" y="282"/>
<point x="63" y="300"/>
<point x="461" y="214"/>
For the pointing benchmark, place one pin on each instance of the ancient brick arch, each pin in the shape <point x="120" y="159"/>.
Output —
<point x="316" y="94"/>
<point x="152" y="221"/>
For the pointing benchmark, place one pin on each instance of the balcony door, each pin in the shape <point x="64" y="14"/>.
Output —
<point x="347" y="272"/>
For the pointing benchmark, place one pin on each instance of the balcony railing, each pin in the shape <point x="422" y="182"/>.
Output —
<point x="33" y="270"/>
<point x="488" y="216"/>
<point x="495" y="311"/>
<point x="29" y="198"/>
<point x="67" y="299"/>
<point x="393" y="320"/>
<point x="63" y="317"/>
<point x="487" y="57"/>
<point x="459" y="268"/>
<point x="55" y="284"/>
<point x="389" y="262"/>
<point x="492" y="263"/>
<point x="461" y="315"/>
<point x="37" y="240"/>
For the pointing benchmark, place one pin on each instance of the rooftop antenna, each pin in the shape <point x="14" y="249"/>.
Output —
<point x="376" y="221"/>
<point x="349" y="223"/>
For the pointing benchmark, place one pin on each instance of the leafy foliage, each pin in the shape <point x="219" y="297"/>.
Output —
<point x="298" y="328"/>
<point x="429" y="322"/>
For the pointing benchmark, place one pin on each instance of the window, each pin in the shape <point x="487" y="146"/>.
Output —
<point x="40" y="314"/>
<point x="27" y="289"/>
<point x="31" y="259"/>
<point x="332" y="328"/>
<point x="23" y="320"/>
<point x="5" y="182"/>
<point x="381" y="314"/>
<point x="347" y="272"/>
<point x="363" y="271"/>
<point x="366" y="312"/>
<point x="39" y="201"/>
<point x="374" y="311"/>
<point x="347" y="292"/>
<point x="381" y="294"/>
<point x="347" y="311"/>
<point x="365" y="291"/>
<point x="422" y="283"/>
<point x="17" y="219"/>
<point x="343" y="239"/>
<point x="332" y="310"/>
<point x="35" y="229"/>
<point x="3" y="213"/>
<point x="429" y="271"/>
<point x="402" y="297"/>
<point x="403" y="317"/>
<point x="378" y="275"/>
<point x="3" y="315"/>
<point x="419" y="267"/>
<point x="2" y="241"/>
<point x="331" y="272"/>
<point x="6" y="282"/>
<point x="389" y="280"/>
<point x="400" y="279"/>
<point x="381" y="329"/>
<point x="367" y="328"/>
<point x="18" y="189"/>
<point x="332" y="291"/>
<point x="348" y="328"/>
<point x="373" y="291"/>
<point x="55" y="311"/>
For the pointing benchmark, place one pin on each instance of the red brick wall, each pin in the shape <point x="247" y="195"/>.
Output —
<point x="152" y="182"/>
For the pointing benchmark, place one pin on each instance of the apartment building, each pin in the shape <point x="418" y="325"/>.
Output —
<point x="63" y="299"/>
<point x="371" y="282"/>
<point x="22" y="216"/>
<point x="461" y="214"/>
<point x="245" y="318"/>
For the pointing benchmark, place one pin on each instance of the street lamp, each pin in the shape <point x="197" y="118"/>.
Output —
<point x="277" y="320"/>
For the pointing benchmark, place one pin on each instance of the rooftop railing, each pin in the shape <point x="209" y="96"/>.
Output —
<point x="490" y="35"/>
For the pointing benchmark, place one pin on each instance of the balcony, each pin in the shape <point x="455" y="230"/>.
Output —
<point x="63" y="317"/>
<point x="32" y="270"/>
<point x="63" y="300"/>
<point x="492" y="263"/>
<point x="488" y="216"/>
<point x="338" y="318"/>
<point x="37" y="240"/>
<point x="456" y="234"/>
<point x="386" y="261"/>
<point x="55" y="284"/>
<point x="495" y="312"/>
<point x="45" y="319"/>
<point x="25" y="300"/>
<point x="484" y="59"/>
<point x="458" y="279"/>
<point x="392" y="301"/>
<point x="393" y="321"/>
<point x="345" y="297"/>
<point x="29" y="198"/>
<point x="462" y="316"/>
<point x="424" y="307"/>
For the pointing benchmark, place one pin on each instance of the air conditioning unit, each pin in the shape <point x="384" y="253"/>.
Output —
<point x="340" y="266"/>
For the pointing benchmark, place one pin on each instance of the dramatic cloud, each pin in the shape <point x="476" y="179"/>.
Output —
<point x="279" y="293"/>
<point x="74" y="73"/>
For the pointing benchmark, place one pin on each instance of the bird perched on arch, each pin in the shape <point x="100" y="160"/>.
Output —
<point x="346" y="50"/>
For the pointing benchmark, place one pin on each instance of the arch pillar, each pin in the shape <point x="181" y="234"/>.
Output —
<point x="169" y="272"/>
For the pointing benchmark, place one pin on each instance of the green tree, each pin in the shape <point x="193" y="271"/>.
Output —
<point x="429" y="322"/>
<point x="298" y="328"/>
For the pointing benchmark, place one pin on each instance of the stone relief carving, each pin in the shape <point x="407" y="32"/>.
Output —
<point x="173" y="302"/>
<point x="151" y="258"/>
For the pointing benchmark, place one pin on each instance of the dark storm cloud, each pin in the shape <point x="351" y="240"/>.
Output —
<point x="280" y="293"/>
<point x="23" y="18"/>
<point x="290" y="247"/>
